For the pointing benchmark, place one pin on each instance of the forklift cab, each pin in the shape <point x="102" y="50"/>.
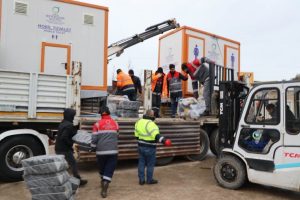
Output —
<point x="265" y="145"/>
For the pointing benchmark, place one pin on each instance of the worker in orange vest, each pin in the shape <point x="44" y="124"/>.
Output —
<point x="125" y="85"/>
<point x="157" y="89"/>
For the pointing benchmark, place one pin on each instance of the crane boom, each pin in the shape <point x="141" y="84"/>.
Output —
<point x="118" y="48"/>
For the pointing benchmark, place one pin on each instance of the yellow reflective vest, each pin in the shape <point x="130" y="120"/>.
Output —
<point x="146" y="130"/>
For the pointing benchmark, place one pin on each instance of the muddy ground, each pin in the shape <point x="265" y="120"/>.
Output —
<point x="179" y="180"/>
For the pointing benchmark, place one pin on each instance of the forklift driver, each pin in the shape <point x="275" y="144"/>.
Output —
<point x="271" y="108"/>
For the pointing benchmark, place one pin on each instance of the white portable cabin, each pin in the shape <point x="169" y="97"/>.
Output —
<point x="186" y="43"/>
<point x="44" y="36"/>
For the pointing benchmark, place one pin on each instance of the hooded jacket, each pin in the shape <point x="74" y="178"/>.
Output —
<point x="66" y="131"/>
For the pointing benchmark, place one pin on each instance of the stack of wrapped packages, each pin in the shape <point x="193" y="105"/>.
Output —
<point x="83" y="139"/>
<point x="121" y="106"/>
<point x="190" y="108"/>
<point x="47" y="178"/>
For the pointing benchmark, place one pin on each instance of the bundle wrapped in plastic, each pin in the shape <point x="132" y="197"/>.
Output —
<point x="47" y="180"/>
<point x="191" y="108"/>
<point x="46" y="164"/>
<point x="128" y="113"/>
<point x="65" y="188"/>
<point x="113" y="102"/>
<point x="120" y="106"/>
<point x="129" y="105"/>
<point x="62" y="192"/>
<point x="75" y="182"/>
<point x="83" y="139"/>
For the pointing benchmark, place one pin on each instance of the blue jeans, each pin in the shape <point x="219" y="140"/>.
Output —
<point x="147" y="158"/>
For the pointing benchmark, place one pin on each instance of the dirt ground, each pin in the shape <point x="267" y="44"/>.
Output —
<point x="179" y="180"/>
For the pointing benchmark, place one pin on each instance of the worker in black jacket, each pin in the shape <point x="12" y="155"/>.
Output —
<point x="136" y="81"/>
<point x="64" y="142"/>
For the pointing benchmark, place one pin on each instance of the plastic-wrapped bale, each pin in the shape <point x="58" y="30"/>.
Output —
<point x="75" y="182"/>
<point x="191" y="108"/>
<point x="47" y="180"/>
<point x="129" y="105"/>
<point x="113" y="102"/>
<point x="62" y="192"/>
<point x="83" y="139"/>
<point x="46" y="164"/>
<point x="128" y="113"/>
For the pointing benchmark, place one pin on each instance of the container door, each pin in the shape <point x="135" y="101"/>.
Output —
<point x="287" y="157"/>
<point x="195" y="48"/>
<point x="55" y="59"/>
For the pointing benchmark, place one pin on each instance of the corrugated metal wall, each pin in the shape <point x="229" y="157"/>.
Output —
<point x="185" y="136"/>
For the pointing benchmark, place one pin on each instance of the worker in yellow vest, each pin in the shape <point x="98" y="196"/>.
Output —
<point x="147" y="133"/>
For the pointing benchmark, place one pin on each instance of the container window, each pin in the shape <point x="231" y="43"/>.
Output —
<point x="88" y="19"/>
<point x="21" y="8"/>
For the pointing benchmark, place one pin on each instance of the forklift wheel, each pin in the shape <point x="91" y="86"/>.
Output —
<point x="230" y="172"/>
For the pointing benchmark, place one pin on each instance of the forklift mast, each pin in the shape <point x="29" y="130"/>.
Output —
<point x="232" y="97"/>
<point x="117" y="48"/>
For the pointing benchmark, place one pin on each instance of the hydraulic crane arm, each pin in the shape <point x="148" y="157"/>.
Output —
<point x="117" y="48"/>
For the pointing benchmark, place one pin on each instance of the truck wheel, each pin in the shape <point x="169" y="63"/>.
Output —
<point x="164" y="161"/>
<point x="230" y="172"/>
<point x="214" y="142"/>
<point x="12" y="151"/>
<point x="204" y="146"/>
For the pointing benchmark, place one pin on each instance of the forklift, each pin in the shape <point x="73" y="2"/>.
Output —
<point x="259" y="135"/>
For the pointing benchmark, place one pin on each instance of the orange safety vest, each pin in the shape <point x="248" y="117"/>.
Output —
<point x="123" y="80"/>
<point x="164" y="89"/>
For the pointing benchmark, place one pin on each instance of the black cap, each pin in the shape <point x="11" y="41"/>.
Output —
<point x="184" y="66"/>
<point x="104" y="111"/>
<point x="160" y="70"/>
<point x="171" y="66"/>
<point x="118" y="71"/>
<point x="130" y="71"/>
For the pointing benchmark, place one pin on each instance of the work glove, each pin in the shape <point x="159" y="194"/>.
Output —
<point x="168" y="143"/>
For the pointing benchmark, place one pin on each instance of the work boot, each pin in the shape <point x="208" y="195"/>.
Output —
<point x="83" y="182"/>
<point x="141" y="182"/>
<point x="153" y="181"/>
<point x="104" y="189"/>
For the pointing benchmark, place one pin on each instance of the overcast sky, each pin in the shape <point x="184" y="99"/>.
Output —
<point x="268" y="30"/>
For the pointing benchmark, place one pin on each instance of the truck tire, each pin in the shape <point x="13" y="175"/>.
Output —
<point x="214" y="142"/>
<point x="164" y="161"/>
<point x="204" y="146"/>
<point x="230" y="172"/>
<point x="12" y="151"/>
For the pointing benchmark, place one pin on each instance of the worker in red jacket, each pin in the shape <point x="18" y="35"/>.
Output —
<point x="174" y="85"/>
<point x="191" y="68"/>
<point x="105" y="143"/>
